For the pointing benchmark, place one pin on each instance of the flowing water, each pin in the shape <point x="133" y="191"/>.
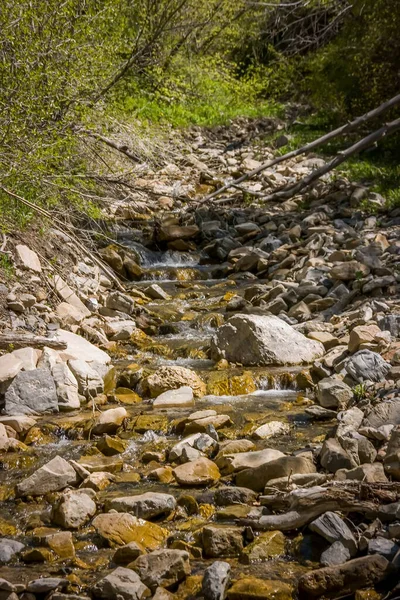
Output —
<point x="186" y="324"/>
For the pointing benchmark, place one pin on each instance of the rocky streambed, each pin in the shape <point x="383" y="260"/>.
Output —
<point x="224" y="422"/>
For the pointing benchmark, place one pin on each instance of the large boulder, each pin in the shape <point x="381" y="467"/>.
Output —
<point x="216" y="580"/>
<point x="52" y="477"/>
<point x="31" y="393"/>
<point x="172" y="378"/>
<point x="332" y="392"/>
<point x="80" y="349"/>
<point x="231" y="463"/>
<point x="254" y="340"/>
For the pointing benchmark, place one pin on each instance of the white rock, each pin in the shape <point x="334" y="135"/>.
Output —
<point x="28" y="258"/>
<point x="183" y="396"/>
<point x="80" y="349"/>
<point x="69" y="296"/>
<point x="109" y="420"/>
<point x="232" y="463"/>
<point x="20" y="424"/>
<point x="10" y="366"/>
<point x="270" y="429"/>
<point x="29" y="357"/>
<point x="90" y="384"/>
<point x="52" y="477"/>
<point x="253" y="340"/>
<point x="66" y="387"/>
<point x="69" y="314"/>
<point x="74" y="509"/>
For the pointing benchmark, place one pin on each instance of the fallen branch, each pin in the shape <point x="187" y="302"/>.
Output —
<point x="308" y="505"/>
<point x="355" y="124"/>
<point x="288" y="192"/>
<point x="123" y="148"/>
<point x="16" y="340"/>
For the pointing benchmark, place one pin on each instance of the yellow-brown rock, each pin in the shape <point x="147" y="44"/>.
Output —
<point x="121" y="528"/>
<point x="260" y="589"/>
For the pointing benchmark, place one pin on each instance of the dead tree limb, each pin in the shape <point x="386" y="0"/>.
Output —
<point x="355" y="124"/>
<point x="16" y="340"/>
<point x="307" y="506"/>
<point x="123" y="148"/>
<point x="288" y="192"/>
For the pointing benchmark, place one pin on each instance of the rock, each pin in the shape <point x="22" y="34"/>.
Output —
<point x="31" y="393"/>
<point x="222" y="541"/>
<point x="215" y="580"/>
<point x="381" y="418"/>
<point x="348" y="271"/>
<point x="156" y="292"/>
<point x="251" y="588"/>
<point x="121" y="302"/>
<point x="20" y="423"/>
<point x="336" y="554"/>
<point x="163" y="594"/>
<point x="62" y="544"/>
<point x="66" y="387"/>
<point x="271" y="429"/>
<point x="257" y="478"/>
<point x="254" y="340"/>
<point x="202" y="425"/>
<point x="363" y="334"/>
<point x="10" y="366"/>
<point x="331" y="527"/>
<point x="343" y="579"/>
<point x="367" y="473"/>
<point x="120" y="529"/>
<point x="44" y="585"/>
<point x="332" y="392"/>
<point x="162" y="568"/>
<point x="78" y="348"/>
<point x="109" y="420"/>
<point x="333" y="457"/>
<point x="149" y="505"/>
<point x="28" y="258"/>
<point x="234" y="495"/>
<point x="52" y="477"/>
<point x="392" y="458"/>
<point x="199" y="472"/>
<point x="169" y="233"/>
<point x="9" y="549"/>
<point x="383" y="547"/>
<point x="232" y="463"/>
<point x="121" y="583"/>
<point x="319" y="413"/>
<point x="90" y="384"/>
<point x="73" y="510"/>
<point x="183" y="396"/>
<point x="269" y="544"/>
<point x="366" y="365"/>
<point x="100" y="463"/>
<point x="128" y="553"/>
<point x="98" y="481"/>
<point x="110" y="446"/>
<point x="69" y="314"/>
<point x="69" y="296"/>
<point x="171" y="378"/>
<point x="199" y="441"/>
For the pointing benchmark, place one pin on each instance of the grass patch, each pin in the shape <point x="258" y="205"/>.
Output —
<point x="6" y="267"/>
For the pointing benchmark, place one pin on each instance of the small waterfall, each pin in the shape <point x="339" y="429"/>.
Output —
<point x="278" y="381"/>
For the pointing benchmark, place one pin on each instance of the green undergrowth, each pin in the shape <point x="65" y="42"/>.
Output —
<point x="207" y="92"/>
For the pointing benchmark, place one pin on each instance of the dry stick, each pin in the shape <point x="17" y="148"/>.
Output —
<point x="308" y="147"/>
<point x="288" y="192"/>
<point x="71" y="236"/>
<point x="119" y="147"/>
<point x="17" y="340"/>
